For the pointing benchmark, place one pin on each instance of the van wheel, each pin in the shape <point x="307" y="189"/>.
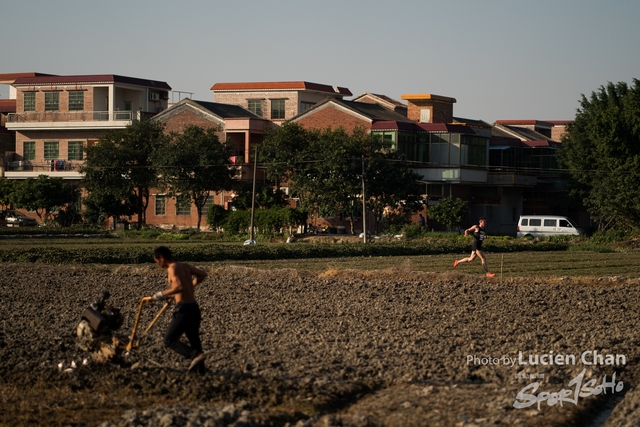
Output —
<point x="528" y="236"/>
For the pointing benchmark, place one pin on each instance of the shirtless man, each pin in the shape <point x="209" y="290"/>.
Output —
<point x="186" y="315"/>
<point x="479" y="235"/>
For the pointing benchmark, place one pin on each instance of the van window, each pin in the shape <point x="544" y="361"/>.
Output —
<point x="565" y="223"/>
<point x="525" y="221"/>
<point x="550" y="222"/>
<point x="535" y="222"/>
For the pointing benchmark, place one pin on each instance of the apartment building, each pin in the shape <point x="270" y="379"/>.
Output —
<point x="276" y="101"/>
<point x="56" y="117"/>
<point x="241" y="128"/>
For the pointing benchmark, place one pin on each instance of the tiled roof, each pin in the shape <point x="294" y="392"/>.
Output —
<point x="383" y="98"/>
<point x="471" y="122"/>
<point x="273" y="86"/>
<point x="374" y="112"/>
<point x="524" y="123"/>
<point x="445" y="128"/>
<point x="393" y="125"/>
<point x="559" y="122"/>
<point x="514" y="136"/>
<point x="227" y="111"/>
<point x="87" y="79"/>
<point x="521" y="133"/>
<point x="9" y="78"/>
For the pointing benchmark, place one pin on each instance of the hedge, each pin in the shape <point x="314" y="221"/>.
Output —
<point x="136" y="254"/>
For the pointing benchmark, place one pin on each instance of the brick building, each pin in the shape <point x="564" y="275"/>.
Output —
<point x="383" y="100"/>
<point x="56" y="117"/>
<point x="276" y="101"/>
<point x="242" y="128"/>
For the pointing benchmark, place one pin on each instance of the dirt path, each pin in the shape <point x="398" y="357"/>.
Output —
<point x="388" y="348"/>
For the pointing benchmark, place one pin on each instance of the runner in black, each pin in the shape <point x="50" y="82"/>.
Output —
<point x="479" y="235"/>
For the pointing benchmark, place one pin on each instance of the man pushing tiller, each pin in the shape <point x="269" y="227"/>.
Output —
<point x="182" y="279"/>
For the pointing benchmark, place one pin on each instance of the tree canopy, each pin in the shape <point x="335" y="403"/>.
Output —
<point x="324" y="169"/>
<point x="449" y="211"/>
<point x="119" y="173"/>
<point x="44" y="195"/>
<point x="194" y="163"/>
<point x="601" y="150"/>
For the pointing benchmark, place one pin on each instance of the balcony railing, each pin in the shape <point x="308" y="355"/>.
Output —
<point x="69" y="116"/>
<point x="44" y="166"/>
<point x="511" y="178"/>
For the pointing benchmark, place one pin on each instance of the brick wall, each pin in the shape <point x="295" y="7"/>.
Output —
<point x="557" y="132"/>
<point x="441" y="112"/>
<point x="63" y="99"/>
<point x="242" y="98"/>
<point x="172" y="221"/>
<point x="334" y="118"/>
<point x="178" y="122"/>
<point x="62" y="136"/>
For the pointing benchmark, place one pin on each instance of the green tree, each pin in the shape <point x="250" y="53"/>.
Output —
<point x="601" y="151"/>
<point x="449" y="211"/>
<point x="7" y="188"/>
<point x="194" y="163"/>
<point x="44" y="195"/>
<point x="119" y="169"/>
<point x="266" y="196"/>
<point x="324" y="169"/>
<point x="216" y="216"/>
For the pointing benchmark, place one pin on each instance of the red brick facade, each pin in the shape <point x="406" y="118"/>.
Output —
<point x="330" y="116"/>
<point x="185" y="118"/>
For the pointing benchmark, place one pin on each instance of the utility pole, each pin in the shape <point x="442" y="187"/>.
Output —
<point x="253" y="194"/>
<point x="364" y="206"/>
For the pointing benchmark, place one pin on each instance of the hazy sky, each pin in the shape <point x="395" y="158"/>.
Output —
<point x="500" y="59"/>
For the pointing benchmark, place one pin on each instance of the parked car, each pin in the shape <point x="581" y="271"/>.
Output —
<point x="546" y="225"/>
<point x="18" y="219"/>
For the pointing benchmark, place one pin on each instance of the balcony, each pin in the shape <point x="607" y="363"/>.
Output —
<point x="511" y="179"/>
<point x="70" y="119"/>
<point x="53" y="168"/>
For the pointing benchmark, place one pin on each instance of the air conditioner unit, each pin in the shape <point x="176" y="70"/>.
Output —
<point x="165" y="95"/>
<point x="154" y="97"/>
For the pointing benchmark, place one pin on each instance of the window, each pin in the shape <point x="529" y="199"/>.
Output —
<point x="29" y="101"/>
<point x="51" y="101"/>
<point x="425" y="115"/>
<point x="29" y="150"/>
<point x="524" y="221"/>
<point x="304" y="106"/>
<point x="161" y="205"/>
<point x="550" y="222"/>
<point x="208" y="203"/>
<point x="51" y="150"/>
<point x="255" y="106"/>
<point x="277" y="109"/>
<point x="76" y="100"/>
<point x="565" y="223"/>
<point x="75" y="150"/>
<point x="535" y="222"/>
<point x="183" y="205"/>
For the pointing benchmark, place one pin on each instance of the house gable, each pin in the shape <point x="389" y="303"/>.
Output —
<point x="332" y="115"/>
<point x="383" y="100"/>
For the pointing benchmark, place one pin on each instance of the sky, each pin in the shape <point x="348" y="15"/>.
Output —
<point x="500" y="59"/>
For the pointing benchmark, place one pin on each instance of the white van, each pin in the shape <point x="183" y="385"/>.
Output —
<point x="545" y="225"/>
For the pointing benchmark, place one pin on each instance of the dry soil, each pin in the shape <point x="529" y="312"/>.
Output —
<point x="287" y="347"/>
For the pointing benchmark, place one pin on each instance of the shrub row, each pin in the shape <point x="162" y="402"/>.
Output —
<point x="51" y="231"/>
<point x="137" y="254"/>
